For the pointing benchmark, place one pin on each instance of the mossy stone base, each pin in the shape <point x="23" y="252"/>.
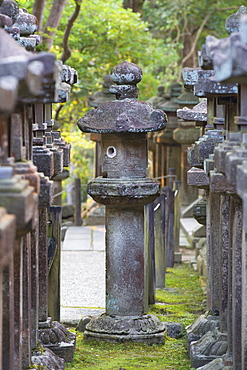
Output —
<point x="119" y="329"/>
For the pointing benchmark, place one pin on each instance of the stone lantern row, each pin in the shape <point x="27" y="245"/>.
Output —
<point x="217" y="340"/>
<point x="34" y="159"/>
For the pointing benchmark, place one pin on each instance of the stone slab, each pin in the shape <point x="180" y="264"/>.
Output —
<point x="82" y="273"/>
<point x="82" y="238"/>
<point x="188" y="226"/>
<point x="83" y="279"/>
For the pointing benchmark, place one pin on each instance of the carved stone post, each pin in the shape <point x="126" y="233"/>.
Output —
<point x="124" y="190"/>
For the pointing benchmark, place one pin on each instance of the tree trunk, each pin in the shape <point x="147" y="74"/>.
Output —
<point x="38" y="11"/>
<point x="66" y="49"/>
<point x="188" y="40"/>
<point x="53" y="22"/>
<point x="135" y="5"/>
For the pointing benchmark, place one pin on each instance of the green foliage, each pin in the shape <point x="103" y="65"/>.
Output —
<point x="173" y="355"/>
<point x="104" y="35"/>
<point x="171" y="19"/>
<point x="185" y="300"/>
<point x="82" y="153"/>
<point x="28" y="4"/>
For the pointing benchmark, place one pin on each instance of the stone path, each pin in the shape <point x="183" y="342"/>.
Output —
<point x="82" y="273"/>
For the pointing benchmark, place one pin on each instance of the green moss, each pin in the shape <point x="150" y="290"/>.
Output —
<point x="182" y="303"/>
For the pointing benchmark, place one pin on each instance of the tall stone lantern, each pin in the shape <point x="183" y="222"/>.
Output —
<point x="124" y="189"/>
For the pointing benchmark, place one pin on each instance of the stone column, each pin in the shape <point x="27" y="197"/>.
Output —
<point x="169" y="148"/>
<point x="124" y="190"/>
<point x="241" y="188"/>
<point x="186" y="134"/>
<point x="8" y="232"/>
<point x="19" y="199"/>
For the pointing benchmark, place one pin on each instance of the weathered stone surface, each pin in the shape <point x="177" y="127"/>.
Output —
<point x="211" y="346"/>
<point x="124" y="192"/>
<point x="222" y="149"/>
<point x="62" y="144"/>
<point x="242" y="178"/>
<point x="69" y="75"/>
<point x="219" y="183"/>
<point x="58" y="339"/>
<point x="43" y="159"/>
<point x="160" y="98"/>
<point x="232" y="160"/>
<point x="186" y="133"/>
<point x="191" y="76"/>
<point x="192" y="157"/>
<point x="7" y="236"/>
<point x="199" y="211"/>
<point x="187" y="98"/>
<point x="5" y="21"/>
<point x="229" y="56"/>
<point x="202" y="325"/>
<point x="233" y="21"/>
<point x="197" y="177"/>
<point x="146" y="328"/>
<point x="63" y="93"/>
<point x="18" y="63"/>
<point x="10" y="8"/>
<point x="27" y="23"/>
<point x="126" y="74"/>
<point x="68" y="210"/>
<point x="216" y="364"/>
<point x="8" y="93"/>
<point x="47" y="359"/>
<point x="45" y="195"/>
<point x="118" y="193"/>
<point x="208" y="87"/>
<point x="209" y="164"/>
<point x="83" y="323"/>
<point x="29" y="43"/>
<point x="174" y="329"/>
<point x="123" y="116"/>
<point x="207" y="143"/>
<point x="204" y="60"/>
<point x="201" y="261"/>
<point x="197" y="113"/>
<point x="18" y="198"/>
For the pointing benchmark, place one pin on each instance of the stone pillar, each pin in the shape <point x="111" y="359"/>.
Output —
<point x="124" y="190"/>
<point x="237" y="283"/>
<point x="169" y="148"/>
<point x="19" y="199"/>
<point x="94" y="101"/>
<point x="160" y="231"/>
<point x="186" y="134"/>
<point x="241" y="188"/>
<point x="52" y="335"/>
<point x="8" y="230"/>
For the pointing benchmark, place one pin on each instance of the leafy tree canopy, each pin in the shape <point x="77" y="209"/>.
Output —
<point x="161" y="41"/>
<point x="188" y="22"/>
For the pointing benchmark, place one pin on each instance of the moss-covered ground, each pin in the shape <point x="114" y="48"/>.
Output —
<point x="182" y="301"/>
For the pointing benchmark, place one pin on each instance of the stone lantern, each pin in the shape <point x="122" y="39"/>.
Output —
<point x="124" y="189"/>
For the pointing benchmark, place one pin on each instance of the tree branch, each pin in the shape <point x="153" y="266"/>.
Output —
<point x="58" y="111"/>
<point x="53" y="22"/>
<point x="192" y="50"/>
<point x="38" y="11"/>
<point x="66" y="49"/>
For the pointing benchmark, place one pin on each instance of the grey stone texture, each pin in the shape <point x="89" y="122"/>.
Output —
<point x="124" y="189"/>
<point x="33" y="81"/>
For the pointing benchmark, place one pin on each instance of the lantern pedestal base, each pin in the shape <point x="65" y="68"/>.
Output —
<point x="143" y="329"/>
